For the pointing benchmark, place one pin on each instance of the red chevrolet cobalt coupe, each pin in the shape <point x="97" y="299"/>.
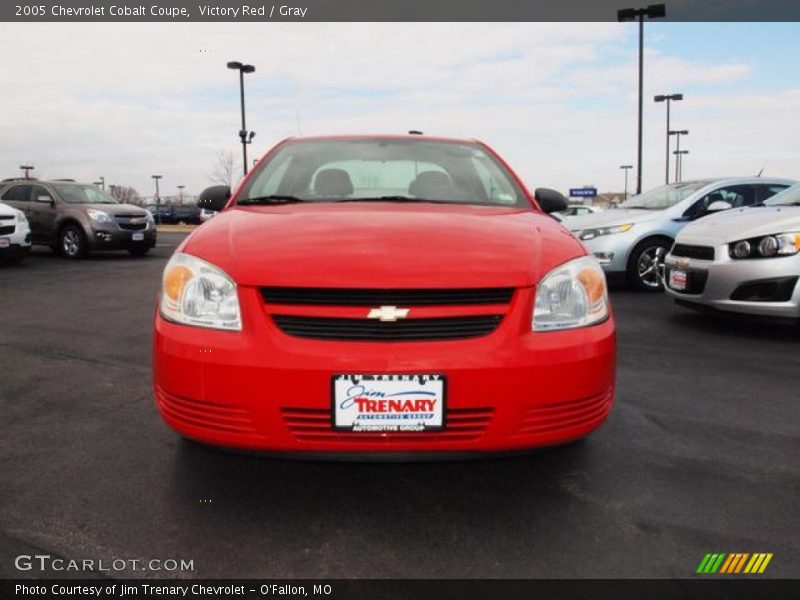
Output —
<point x="383" y="295"/>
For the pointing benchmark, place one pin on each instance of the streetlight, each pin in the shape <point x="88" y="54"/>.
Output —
<point x="244" y="135"/>
<point x="678" y="134"/>
<point x="626" y="168"/>
<point x="158" y="198"/>
<point x="27" y="169"/>
<point x="180" y="192"/>
<point x="102" y="180"/>
<point x="667" y="98"/>
<point x="654" y="11"/>
<point x="679" y="154"/>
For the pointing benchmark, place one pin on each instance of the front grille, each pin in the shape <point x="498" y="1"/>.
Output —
<point x="779" y="289"/>
<point x="555" y="417"/>
<point x="6" y="217"/>
<point x="689" y="251"/>
<point x="315" y="425"/>
<point x="133" y="226"/>
<point x="383" y="297"/>
<point x="6" y="229"/>
<point x="695" y="281"/>
<point x="440" y="328"/>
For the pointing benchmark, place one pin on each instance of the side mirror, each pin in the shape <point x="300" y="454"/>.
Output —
<point x="550" y="201"/>
<point x="214" y="197"/>
<point x="718" y="205"/>
<point x="45" y="200"/>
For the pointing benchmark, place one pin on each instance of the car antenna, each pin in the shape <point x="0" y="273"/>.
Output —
<point x="764" y="166"/>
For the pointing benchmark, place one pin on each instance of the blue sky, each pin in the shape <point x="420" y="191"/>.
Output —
<point x="557" y="100"/>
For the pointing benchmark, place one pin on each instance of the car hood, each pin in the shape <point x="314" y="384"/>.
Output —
<point x="612" y="216"/>
<point x="741" y="223"/>
<point x="383" y="245"/>
<point x="7" y="210"/>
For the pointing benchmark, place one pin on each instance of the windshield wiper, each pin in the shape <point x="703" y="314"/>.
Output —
<point x="271" y="199"/>
<point x="639" y="207"/>
<point x="392" y="199"/>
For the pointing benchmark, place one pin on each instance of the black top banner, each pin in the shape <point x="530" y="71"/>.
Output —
<point x="182" y="11"/>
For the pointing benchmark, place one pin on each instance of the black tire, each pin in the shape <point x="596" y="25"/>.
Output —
<point x="138" y="251"/>
<point x="72" y="242"/>
<point x="645" y="262"/>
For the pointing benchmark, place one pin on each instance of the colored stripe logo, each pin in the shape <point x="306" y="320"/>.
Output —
<point x="733" y="563"/>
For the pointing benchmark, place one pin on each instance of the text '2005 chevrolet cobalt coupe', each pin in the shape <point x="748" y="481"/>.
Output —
<point x="383" y="295"/>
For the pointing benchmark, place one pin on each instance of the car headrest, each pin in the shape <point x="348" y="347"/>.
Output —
<point x="333" y="182"/>
<point x="428" y="183"/>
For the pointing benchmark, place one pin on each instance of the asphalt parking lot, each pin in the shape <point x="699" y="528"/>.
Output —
<point x="701" y="454"/>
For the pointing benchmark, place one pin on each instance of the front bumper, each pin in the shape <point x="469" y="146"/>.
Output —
<point x="111" y="237"/>
<point x="611" y="251"/>
<point x="263" y="390"/>
<point x="16" y="244"/>
<point x="720" y="283"/>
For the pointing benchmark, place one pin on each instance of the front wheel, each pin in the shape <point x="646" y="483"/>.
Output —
<point x="645" y="264"/>
<point x="72" y="242"/>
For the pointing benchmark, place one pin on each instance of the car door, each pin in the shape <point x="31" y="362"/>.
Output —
<point x="43" y="213"/>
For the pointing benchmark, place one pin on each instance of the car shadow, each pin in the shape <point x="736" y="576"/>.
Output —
<point x="738" y="326"/>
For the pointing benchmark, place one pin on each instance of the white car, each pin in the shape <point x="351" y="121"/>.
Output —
<point x="15" y="234"/>
<point x="744" y="260"/>
<point x="577" y="210"/>
<point x="206" y="215"/>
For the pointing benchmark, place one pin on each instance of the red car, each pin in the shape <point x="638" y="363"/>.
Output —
<point x="376" y="295"/>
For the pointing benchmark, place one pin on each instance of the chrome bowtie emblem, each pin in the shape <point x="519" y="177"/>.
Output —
<point x="388" y="313"/>
<point x="682" y="263"/>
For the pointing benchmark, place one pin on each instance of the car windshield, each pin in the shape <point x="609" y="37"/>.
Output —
<point x="83" y="194"/>
<point x="382" y="169"/>
<point x="788" y="197"/>
<point x="663" y="197"/>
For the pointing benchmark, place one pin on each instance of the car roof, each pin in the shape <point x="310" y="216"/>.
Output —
<point x="388" y="136"/>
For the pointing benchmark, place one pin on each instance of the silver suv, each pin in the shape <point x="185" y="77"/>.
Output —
<point x="76" y="218"/>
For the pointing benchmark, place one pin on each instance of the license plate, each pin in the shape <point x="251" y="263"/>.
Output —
<point x="677" y="279"/>
<point x="388" y="403"/>
<point x="138" y="237"/>
<point x="5" y="242"/>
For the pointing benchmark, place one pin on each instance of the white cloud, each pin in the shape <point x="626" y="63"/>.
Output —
<point x="558" y="100"/>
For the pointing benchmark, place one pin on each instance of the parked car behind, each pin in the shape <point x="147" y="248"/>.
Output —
<point x="634" y="238"/>
<point x="172" y="214"/>
<point x="577" y="210"/>
<point x="76" y="218"/>
<point x="15" y="235"/>
<point x="745" y="260"/>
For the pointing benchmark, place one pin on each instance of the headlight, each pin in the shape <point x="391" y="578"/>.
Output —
<point x="98" y="215"/>
<point x="195" y="292"/>
<point x="590" y="234"/>
<point x="572" y="295"/>
<point x="21" y="218"/>
<point x="781" y="244"/>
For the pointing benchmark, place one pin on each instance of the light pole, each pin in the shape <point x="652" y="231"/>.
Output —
<point x="654" y="11"/>
<point x="678" y="134"/>
<point x="679" y="154"/>
<point x="244" y="135"/>
<point x="27" y="169"/>
<point x="626" y="168"/>
<point x="158" y="198"/>
<point x="180" y="192"/>
<point x="667" y="98"/>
